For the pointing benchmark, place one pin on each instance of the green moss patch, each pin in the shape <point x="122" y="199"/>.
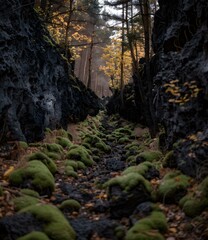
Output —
<point x="37" y="174"/>
<point x="64" y="142"/>
<point x="55" y="226"/>
<point x="52" y="155"/>
<point x="24" y="201"/>
<point x="45" y="160"/>
<point x="148" y="228"/>
<point x="129" y="181"/>
<point x="194" y="203"/>
<point x="142" y="168"/>
<point x="35" y="235"/>
<point x="97" y="142"/>
<point x="30" y="192"/>
<point x="80" y="153"/>
<point x="70" y="204"/>
<point x="69" y="171"/>
<point x="150" y="156"/>
<point x="173" y="187"/>
<point x="54" y="147"/>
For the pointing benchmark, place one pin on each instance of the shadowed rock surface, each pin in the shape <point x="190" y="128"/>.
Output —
<point x="37" y="89"/>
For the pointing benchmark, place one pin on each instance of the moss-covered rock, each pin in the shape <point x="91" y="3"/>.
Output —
<point x="64" y="142"/>
<point x="54" y="147"/>
<point x="80" y="153"/>
<point x="63" y="133"/>
<point x="23" y="145"/>
<point x="55" y="226"/>
<point x="168" y="159"/>
<point x="123" y="140"/>
<point x="129" y="181"/>
<point x="35" y="175"/>
<point x="194" y="203"/>
<point x="30" y="192"/>
<point x="52" y="155"/>
<point x="148" y="228"/>
<point x="45" y="160"/>
<point x="142" y="168"/>
<point x="81" y="165"/>
<point x="24" y="201"/>
<point x="173" y="187"/>
<point x="72" y="163"/>
<point x="69" y="171"/>
<point x="35" y="235"/>
<point x="193" y="206"/>
<point x="149" y="156"/>
<point x="70" y="204"/>
<point x="95" y="141"/>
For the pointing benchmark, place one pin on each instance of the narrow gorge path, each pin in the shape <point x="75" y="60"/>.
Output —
<point x="108" y="179"/>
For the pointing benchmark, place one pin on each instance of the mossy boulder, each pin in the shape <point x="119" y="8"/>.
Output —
<point x="63" y="133"/>
<point x="123" y="140"/>
<point x="149" y="156"/>
<point x="52" y="155"/>
<point x="173" y="187"/>
<point x="29" y="192"/>
<point x="168" y="160"/>
<point x="35" y="235"/>
<point x="194" y="203"/>
<point x="142" y="168"/>
<point x="24" y="201"/>
<point x="40" y="156"/>
<point x="148" y="228"/>
<point x="35" y="175"/>
<point x="72" y="163"/>
<point x="128" y="181"/>
<point x="69" y="171"/>
<point x="95" y="141"/>
<point x="55" y="226"/>
<point x="54" y="147"/>
<point x="23" y="145"/>
<point x="80" y="153"/>
<point x="193" y="206"/>
<point x="64" y="142"/>
<point x="70" y="204"/>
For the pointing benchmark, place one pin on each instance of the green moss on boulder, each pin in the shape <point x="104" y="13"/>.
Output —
<point x="70" y="204"/>
<point x="55" y="226"/>
<point x="80" y="153"/>
<point x="52" y="155"/>
<point x="194" y="203"/>
<point x="129" y="181"/>
<point x="24" y="201"/>
<point x="69" y="171"/>
<point x="37" y="174"/>
<point x="72" y="163"/>
<point x="173" y="187"/>
<point x="123" y="140"/>
<point x="30" y="192"/>
<point x="54" y="147"/>
<point x="150" y="156"/>
<point x="39" y="156"/>
<point x="35" y="235"/>
<point x="148" y="228"/>
<point x="64" y="142"/>
<point x="142" y="168"/>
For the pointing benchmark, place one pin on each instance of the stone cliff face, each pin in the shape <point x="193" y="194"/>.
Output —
<point x="180" y="42"/>
<point x="37" y="89"/>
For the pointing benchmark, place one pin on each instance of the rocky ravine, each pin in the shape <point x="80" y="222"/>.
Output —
<point x="37" y="89"/>
<point x="103" y="179"/>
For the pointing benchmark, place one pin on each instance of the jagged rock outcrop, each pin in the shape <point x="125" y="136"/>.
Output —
<point x="180" y="41"/>
<point x="37" y="89"/>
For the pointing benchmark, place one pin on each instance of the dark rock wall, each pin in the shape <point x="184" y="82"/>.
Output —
<point x="180" y="42"/>
<point x="37" y="89"/>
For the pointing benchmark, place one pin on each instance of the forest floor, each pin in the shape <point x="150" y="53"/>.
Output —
<point x="106" y="211"/>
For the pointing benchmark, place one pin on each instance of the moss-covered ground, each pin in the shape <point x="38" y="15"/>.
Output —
<point x="64" y="182"/>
